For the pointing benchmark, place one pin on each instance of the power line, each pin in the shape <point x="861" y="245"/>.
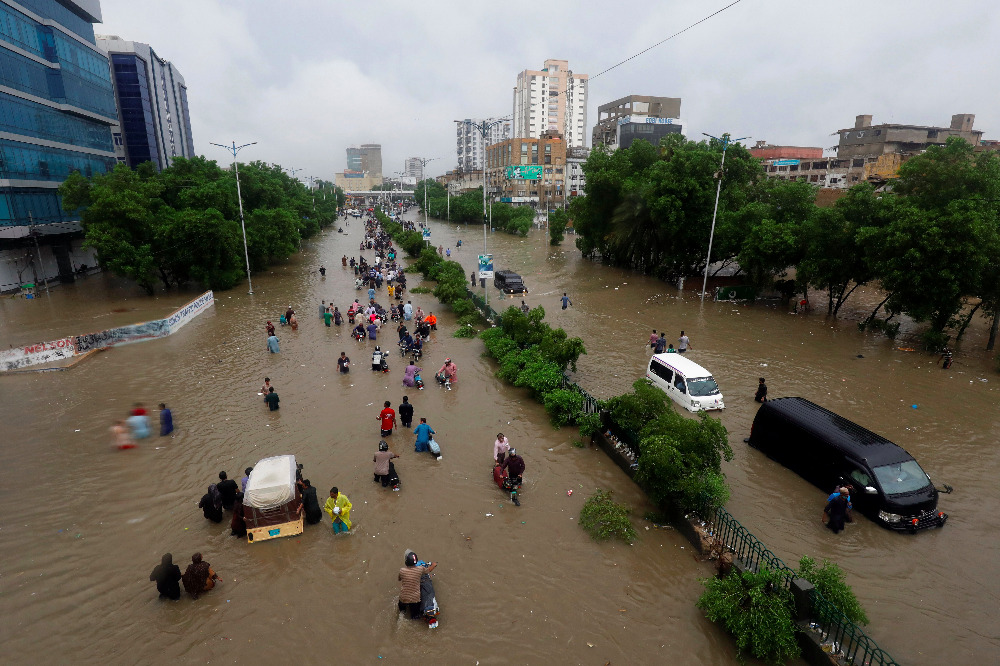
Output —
<point x="634" y="56"/>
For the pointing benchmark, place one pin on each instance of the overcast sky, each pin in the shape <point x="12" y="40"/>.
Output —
<point x="307" y="78"/>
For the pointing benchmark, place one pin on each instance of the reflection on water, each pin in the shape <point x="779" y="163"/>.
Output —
<point x="82" y="526"/>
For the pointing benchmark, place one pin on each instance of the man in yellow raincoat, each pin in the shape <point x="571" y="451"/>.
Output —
<point x="339" y="509"/>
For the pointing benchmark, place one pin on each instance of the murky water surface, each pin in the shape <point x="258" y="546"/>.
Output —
<point x="83" y="525"/>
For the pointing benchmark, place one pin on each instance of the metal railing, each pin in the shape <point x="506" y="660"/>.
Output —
<point x="480" y="303"/>
<point x="845" y="639"/>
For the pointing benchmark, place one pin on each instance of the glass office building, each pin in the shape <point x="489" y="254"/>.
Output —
<point x="56" y="109"/>
<point x="152" y="104"/>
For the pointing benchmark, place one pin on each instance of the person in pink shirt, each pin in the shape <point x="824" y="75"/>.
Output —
<point x="500" y="448"/>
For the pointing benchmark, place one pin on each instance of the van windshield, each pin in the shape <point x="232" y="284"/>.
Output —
<point x="702" y="387"/>
<point x="899" y="478"/>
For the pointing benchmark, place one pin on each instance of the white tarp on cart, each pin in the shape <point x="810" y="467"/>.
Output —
<point x="272" y="483"/>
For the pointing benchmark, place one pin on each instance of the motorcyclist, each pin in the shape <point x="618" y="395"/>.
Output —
<point x="513" y="466"/>
<point x="448" y="374"/>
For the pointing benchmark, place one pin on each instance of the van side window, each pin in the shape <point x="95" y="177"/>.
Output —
<point x="862" y="478"/>
<point x="679" y="383"/>
<point x="661" y="371"/>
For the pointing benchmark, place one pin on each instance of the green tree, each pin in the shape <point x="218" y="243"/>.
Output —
<point x="119" y="221"/>
<point x="650" y="207"/>
<point x="201" y="246"/>
<point x="766" y="232"/>
<point x="834" y="258"/>
<point x="272" y="234"/>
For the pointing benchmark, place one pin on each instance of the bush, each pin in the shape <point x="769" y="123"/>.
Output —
<point x="604" y="519"/>
<point x="420" y="290"/>
<point x="539" y="374"/>
<point x="465" y="332"/>
<point x="563" y="406"/>
<point x="829" y="579"/>
<point x="590" y="424"/>
<point x="757" y="610"/>
<point x="463" y="306"/>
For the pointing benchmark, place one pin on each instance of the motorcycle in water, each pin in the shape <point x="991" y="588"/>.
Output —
<point x="507" y="484"/>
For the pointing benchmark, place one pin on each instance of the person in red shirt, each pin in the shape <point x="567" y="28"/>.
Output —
<point x="388" y="418"/>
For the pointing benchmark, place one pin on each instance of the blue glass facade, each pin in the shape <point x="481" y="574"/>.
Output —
<point x="56" y="108"/>
<point x="136" y="111"/>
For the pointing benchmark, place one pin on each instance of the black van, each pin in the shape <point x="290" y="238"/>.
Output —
<point x="828" y="450"/>
<point x="509" y="282"/>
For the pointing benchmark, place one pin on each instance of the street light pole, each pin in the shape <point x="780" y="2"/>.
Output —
<point x="725" y="141"/>
<point x="234" y="149"/>
<point x="484" y="128"/>
<point x="423" y="165"/>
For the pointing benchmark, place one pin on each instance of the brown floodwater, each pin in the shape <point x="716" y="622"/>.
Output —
<point x="83" y="525"/>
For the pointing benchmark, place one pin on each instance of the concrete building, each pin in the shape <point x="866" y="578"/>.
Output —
<point x="461" y="181"/>
<point x="57" y="107"/>
<point x="505" y="182"/>
<point x="468" y="148"/>
<point x="152" y="105"/>
<point x="366" y="158"/>
<point x="576" y="181"/>
<point x="866" y="152"/>
<point x="414" y="168"/>
<point x="869" y="141"/>
<point x="624" y="120"/>
<point x="553" y="99"/>
<point x="356" y="181"/>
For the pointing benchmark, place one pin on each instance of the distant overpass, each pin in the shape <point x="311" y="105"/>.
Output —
<point x="404" y="194"/>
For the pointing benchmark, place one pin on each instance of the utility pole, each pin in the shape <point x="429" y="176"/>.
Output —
<point x="38" y="251"/>
<point x="239" y="196"/>
<point x="725" y="141"/>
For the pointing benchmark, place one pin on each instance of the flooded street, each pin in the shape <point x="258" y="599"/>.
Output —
<point x="82" y="525"/>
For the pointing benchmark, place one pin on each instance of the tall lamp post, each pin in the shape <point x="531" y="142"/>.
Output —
<point x="423" y="166"/>
<point x="725" y="141"/>
<point x="484" y="127"/>
<point x="234" y="149"/>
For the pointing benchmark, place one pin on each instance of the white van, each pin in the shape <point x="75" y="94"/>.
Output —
<point x="687" y="383"/>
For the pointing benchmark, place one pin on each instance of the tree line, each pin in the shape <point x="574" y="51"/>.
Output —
<point x="931" y="244"/>
<point x="467" y="208"/>
<point x="182" y="224"/>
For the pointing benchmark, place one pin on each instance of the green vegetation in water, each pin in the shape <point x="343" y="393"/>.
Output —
<point x="420" y="290"/>
<point x="604" y="519"/>
<point x="757" y="610"/>
<point x="181" y="225"/>
<point x="465" y="332"/>
<point x="831" y="582"/>
<point x="579" y="443"/>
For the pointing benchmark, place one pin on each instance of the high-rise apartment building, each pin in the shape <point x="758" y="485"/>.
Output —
<point x="414" y="168"/>
<point x="553" y="99"/>
<point x="57" y="106"/>
<point x="152" y="104"/>
<point x="468" y="138"/>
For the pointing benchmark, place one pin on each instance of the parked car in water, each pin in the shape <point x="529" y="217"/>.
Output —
<point x="509" y="282"/>
<point x="828" y="450"/>
<point x="685" y="382"/>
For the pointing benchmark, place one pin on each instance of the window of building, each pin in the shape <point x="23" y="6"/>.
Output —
<point x="932" y="134"/>
<point x="857" y="163"/>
